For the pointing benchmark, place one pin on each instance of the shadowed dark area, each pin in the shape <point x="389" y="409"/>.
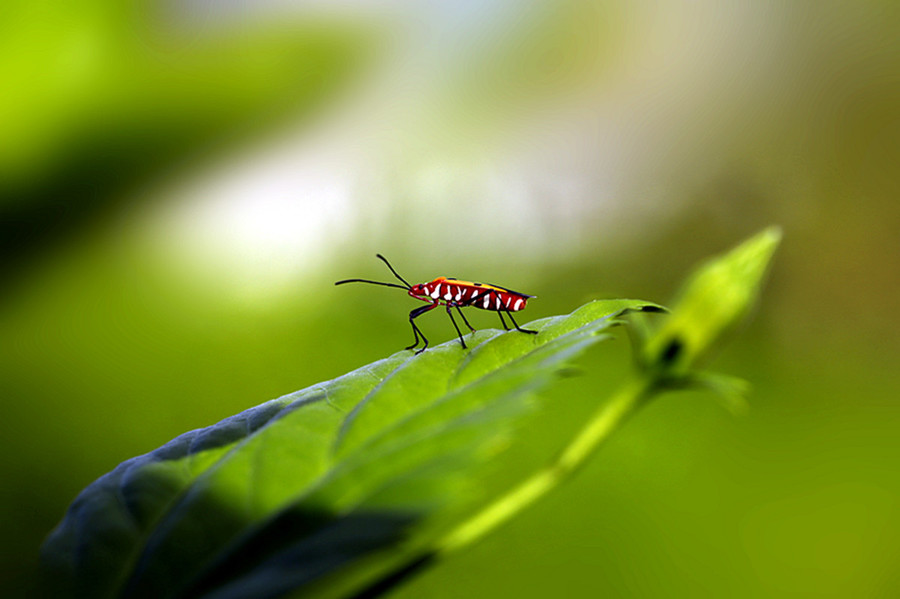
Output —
<point x="295" y="549"/>
<point x="396" y="578"/>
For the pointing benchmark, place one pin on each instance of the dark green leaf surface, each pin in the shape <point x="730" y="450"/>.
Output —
<point x="289" y="494"/>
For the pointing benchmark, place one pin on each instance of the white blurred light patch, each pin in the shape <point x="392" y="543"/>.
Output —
<point x="251" y="229"/>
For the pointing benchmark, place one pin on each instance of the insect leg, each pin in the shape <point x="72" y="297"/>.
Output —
<point x="518" y="328"/>
<point x="471" y="300"/>
<point x="487" y="294"/>
<point x="493" y="295"/>
<point x="476" y="297"/>
<point x="416" y="332"/>
<point x="503" y="322"/>
<point x="450" y="314"/>
<point x="463" y="316"/>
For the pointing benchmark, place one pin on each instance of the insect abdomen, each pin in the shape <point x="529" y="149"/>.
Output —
<point x="478" y="295"/>
<point x="500" y="300"/>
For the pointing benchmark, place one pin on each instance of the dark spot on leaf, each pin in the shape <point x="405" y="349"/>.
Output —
<point x="672" y="350"/>
<point x="570" y="371"/>
<point x="650" y="308"/>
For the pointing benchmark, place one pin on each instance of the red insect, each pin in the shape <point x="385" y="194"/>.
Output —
<point x="453" y="293"/>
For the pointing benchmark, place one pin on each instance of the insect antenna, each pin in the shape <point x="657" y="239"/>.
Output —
<point x="372" y="282"/>
<point x="383" y="259"/>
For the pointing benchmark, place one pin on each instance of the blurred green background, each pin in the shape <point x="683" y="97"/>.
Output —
<point x="181" y="183"/>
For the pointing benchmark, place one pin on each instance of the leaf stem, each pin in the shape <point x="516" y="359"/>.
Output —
<point x="604" y="421"/>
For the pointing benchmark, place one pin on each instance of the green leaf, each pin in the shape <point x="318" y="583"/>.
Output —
<point x="324" y="489"/>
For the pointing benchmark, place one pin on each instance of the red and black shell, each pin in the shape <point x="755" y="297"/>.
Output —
<point x="453" y="292"/>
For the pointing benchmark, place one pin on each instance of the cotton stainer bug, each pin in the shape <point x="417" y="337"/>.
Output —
<point x="453" y="293"/>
